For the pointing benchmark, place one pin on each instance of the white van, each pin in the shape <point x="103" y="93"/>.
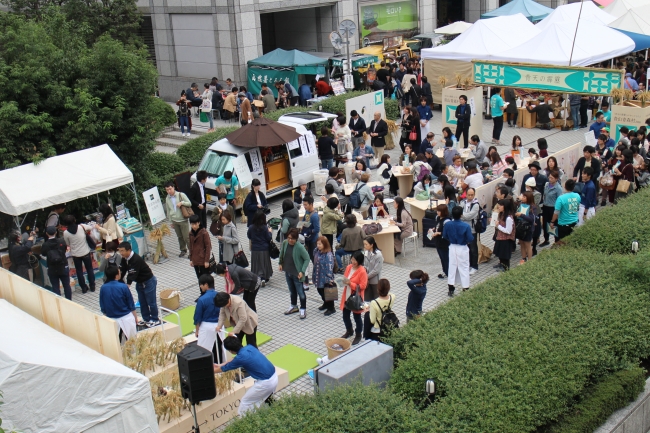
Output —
<point x="278" y="168"/>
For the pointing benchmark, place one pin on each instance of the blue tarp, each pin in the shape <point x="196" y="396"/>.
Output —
<point x="529" y="8"/>
<point x="641" y="41"/>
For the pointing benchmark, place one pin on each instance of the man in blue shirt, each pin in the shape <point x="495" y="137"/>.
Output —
<point x="230" y="184"/>
<point x="497" y="105"/>
<point x="567" y="207"/>
<point x="459" y="235"/>
<point x="588" y="198"/>
<point x="304" y="93"/>
<point x="116" y="302"/>
<point x="258" y="366"/>
<point x="206" y="318"/>
<point x="598" y="124"/>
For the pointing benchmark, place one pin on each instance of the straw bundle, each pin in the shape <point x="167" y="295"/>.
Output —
<point x="459" y="80"/>
<point x="467" y="82"/>
<point x="643" y="97"/>
<point x="157" y="235"/>
<point x="392" y="127"/>
<point x="442" y="80"/>
<point x="617" y="94"/>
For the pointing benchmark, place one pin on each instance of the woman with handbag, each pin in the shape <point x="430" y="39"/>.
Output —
<point x="402" y="220"/>
<point x="504" y="234"/>
<point x="229" y="239"/>
<point x="323" y="273"/>
<point x="255" y="200"/>
<point x="109" y="230"/>
<point x="355" y="280"/>
<point x="407" y="125"/>
<point x="415" y="137"/>
<point x="373" y="263"/>
<point x="260" y="238"/>
<point x="240" y="280"/>
<point x="526" y="218"/>
<point x="294" y="261"/>
<point x="216" y="227"/>
<point x="200" y="247"/>
<point x="608" y="181"/>
<point x="624" y="176"/>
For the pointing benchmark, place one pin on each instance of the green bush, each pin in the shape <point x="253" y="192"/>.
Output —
<point x="163" y="166"/>
<point x="358" y="409"/>
<point x="614" y="228"/>
<point x="392" y="109"/>
<point x="600" y="401"/>
<point x="512" y="353"/>
<point x="192" y="152"/>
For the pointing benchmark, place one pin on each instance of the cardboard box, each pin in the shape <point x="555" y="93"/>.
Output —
<point x="630" y="114"/>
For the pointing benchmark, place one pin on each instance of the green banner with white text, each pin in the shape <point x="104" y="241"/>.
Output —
<point x="557" y="79"/>
<point x="269" y="76"/>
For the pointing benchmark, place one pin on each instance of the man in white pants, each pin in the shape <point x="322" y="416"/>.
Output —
<point x="206" y="319"/>
<point x="459" y="235"/>
<point x="260" y="369"/>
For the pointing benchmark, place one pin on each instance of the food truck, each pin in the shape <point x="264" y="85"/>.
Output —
<point x="279" y="168"/>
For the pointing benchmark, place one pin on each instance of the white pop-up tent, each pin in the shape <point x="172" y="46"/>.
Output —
<point x="454" y="28"/>
<point x="618" y="8"/>
<point x="61" y="179"/>
<point x="590" y="15"/>
<point x="594" y="43"/>
<point x="54" y="384"/>
<point x="479" y="42"/>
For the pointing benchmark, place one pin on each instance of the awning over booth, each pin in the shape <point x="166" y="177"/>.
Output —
<point x="484" y="39"/>
<point x="52" y="383"/>
<point x="453" y="29"/>
<point x="61" y="179"/>
<point x="528" y="8"/>
<point x="590" y="14"/>
<point x="593" y="44"/>
<point x="635" y="23"/>
<point x="302" y="63"/>
<point x="357" y="60"/>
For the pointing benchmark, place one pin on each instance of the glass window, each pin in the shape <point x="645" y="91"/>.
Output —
<point x="215" y="163"/>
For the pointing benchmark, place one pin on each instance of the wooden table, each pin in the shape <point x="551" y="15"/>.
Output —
<point x="465" y="154"/>
<point x="349" y="187"/>
<point x="526" y="119"/>
<point x="385" y="239"/>
<point x="417" y="208"/>
<point x="404" y="181"/>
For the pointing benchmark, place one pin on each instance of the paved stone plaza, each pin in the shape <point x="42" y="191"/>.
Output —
<point x="310" y="334"/>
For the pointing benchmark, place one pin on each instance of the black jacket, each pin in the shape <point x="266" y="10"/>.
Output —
<point x="359" y="126"/>
<point x="382" y="131"/>
<point x="194" y="194"/>
<point x="259" y="238"/>
<point x="250" y="205"/>
<point x="296" y="195"/>
<point x="51" y="244"/>
<point x="326" y="148"/>
<point x="19" y="254"/>
<point x="540" y="181"/>
<point x="595" y="164"/>
<point x="242" y="277"/>
<point x="135" y="269"/>
<point x="436" y="165"/>
<point x="464" y="118"/>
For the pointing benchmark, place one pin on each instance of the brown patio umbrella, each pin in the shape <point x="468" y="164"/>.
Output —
<point x="262" y="132"/>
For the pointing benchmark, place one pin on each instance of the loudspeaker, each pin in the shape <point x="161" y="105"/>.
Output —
<point x="196" y="372"/>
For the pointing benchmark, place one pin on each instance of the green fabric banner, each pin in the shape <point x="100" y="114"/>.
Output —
<point x="560" y="79"/>
<point x="269" y="76"/>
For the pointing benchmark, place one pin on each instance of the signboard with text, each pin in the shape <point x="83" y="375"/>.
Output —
<point x="154" y="205"/>
<point x="385" y="20"/>
<point x="366" y="105"/>
<point x="631" y="116"/>
<point x="559" y="79"/>
<point x="256" y="77"/>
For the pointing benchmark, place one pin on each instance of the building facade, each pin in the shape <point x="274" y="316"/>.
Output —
<point x="195" y="40"/>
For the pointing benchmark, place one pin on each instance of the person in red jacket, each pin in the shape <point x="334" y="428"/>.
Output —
<point x="355" y="280"/>
<point x="322" y="87"/>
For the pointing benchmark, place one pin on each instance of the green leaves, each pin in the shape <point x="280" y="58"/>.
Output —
<point x="192" y="152"/>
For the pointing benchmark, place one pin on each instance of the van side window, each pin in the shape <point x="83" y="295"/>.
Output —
<point x="293" y="153"/>
<point x="248" y="161"/>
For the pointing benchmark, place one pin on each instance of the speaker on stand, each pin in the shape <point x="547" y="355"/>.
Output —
<point x="196" y="372"/>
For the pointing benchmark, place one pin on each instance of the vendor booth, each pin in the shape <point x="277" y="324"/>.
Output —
<point x="587" y="11"/>
<point x="52" y="383"/>
<point x="281" y="65"/>
<point x="480" y="42"/>
<point x="56" y="184"/>
<point x="528" y="8"/>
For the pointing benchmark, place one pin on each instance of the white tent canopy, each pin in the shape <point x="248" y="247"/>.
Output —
<point x="636" y="20"/>
<point x="594" y="43"/>
<point x="61" y="179"/>
<point x="591" y="13"/>
<point x="484" y="39"/>
<point x="619" y="7"/>
<point x="54" y="384"/>
<point x="453" y="29"/>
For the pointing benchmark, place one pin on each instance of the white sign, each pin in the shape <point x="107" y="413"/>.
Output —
<point x="154" y="205"/>
<point x="590" y="140"/>
<point x="472" y="106"/>
<point x="349" y="81"/>
<point x="311" y="144"/>
<point x="366" y="105"/>
<point x="240" y="166"/>
<point x="255" y="161"/>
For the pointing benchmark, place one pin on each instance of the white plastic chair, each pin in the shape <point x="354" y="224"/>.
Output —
<point x="413" y="238"/>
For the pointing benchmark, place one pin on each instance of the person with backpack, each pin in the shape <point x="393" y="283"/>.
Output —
<point x="332" y="215"/>
<point x="471" y="210"/>
<point x="310" y="230"/>
<point x="362" y="197"/>
<point x="381" y="317"/>
<point x="184" y="113"/>
<point x="53" y="250"/>
<point x="110" y="259"/>
<point x="420" y="168"/>
<point x="54" y="219"/>
<point x="459" y="235"/>
<point x="80" y="250"/>
<point x="418" y="291"/>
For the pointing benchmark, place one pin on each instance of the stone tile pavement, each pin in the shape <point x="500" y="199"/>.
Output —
<point x="310" y="334"/>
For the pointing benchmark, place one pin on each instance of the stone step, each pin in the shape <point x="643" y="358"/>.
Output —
<point x="170" y="142"/>
<point x="166" y="149"/>
<point x="176" y="134"/>
<point x="197" y="129"/>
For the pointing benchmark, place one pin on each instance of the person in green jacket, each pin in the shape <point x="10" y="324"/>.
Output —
<point x="294" y="260"/>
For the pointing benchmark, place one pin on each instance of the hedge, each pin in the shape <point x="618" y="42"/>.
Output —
<point x="354" y="409"/>
<point x="600" y="401"/>
<point x="163" y="166"/>
<point x="192" y="152"/>
<point x="511" y="354"/>
<point x="614" y="228"/>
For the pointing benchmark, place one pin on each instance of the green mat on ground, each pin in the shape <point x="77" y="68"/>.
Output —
<point x="293" y="359"/>
<point x="187" y="319"/>
<point x="187" y="324"/>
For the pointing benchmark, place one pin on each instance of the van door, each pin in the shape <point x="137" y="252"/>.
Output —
<point x="303" y="159"/>
<point x="256" y="166"/>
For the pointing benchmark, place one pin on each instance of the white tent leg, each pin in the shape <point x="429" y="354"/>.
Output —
<point x="137" y="205"/>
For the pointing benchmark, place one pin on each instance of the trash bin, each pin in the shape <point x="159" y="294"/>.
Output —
<point x="348" y="169"/>
<point x="342" y="342"/>
<point x="320" y="179"/>
<point x="204" y="117"/>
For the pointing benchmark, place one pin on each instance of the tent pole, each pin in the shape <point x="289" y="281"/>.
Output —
<point x="137" y="205"/>
<point x="646" y="54"/>
<point x="489" y="112"/>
